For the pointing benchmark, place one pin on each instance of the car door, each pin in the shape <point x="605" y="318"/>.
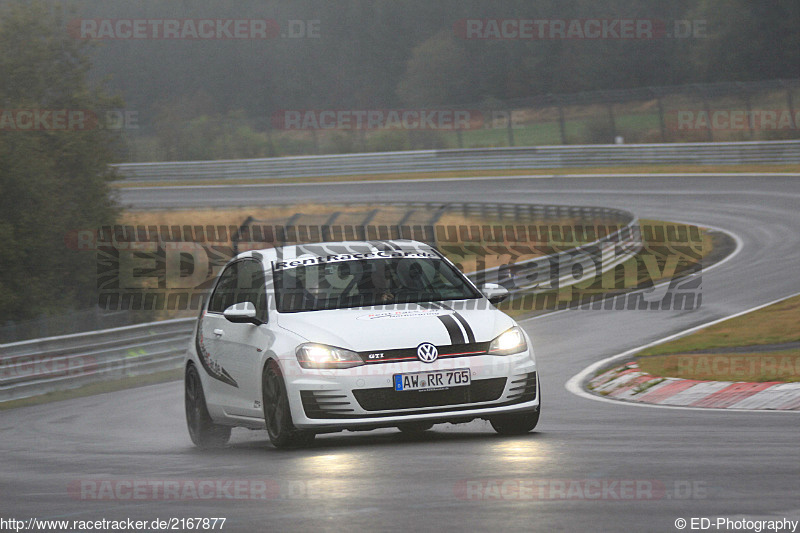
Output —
<point x="209" y="338"/>
<point x="242" y="345"/>
<point x="231" y="352"/>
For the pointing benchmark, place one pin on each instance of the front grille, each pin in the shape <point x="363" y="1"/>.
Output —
<point x="410" y="354"/>
<point x="388" y="399"/>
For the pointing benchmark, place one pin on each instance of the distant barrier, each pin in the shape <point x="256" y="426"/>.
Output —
<point x="541" y="157"/>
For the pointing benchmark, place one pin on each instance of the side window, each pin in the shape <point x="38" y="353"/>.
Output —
<point x="243" y="281"/>
<point x="222" y="298"/>
<point x="252" y="287"/>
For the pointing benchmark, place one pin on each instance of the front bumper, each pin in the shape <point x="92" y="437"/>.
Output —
<point x="364" y="397"/>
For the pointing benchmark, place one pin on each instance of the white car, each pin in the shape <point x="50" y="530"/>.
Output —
<point x="317" y="338"/>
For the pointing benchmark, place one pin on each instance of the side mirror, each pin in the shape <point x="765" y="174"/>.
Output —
<point x="494" y="292"/>
<point x="243" y="313"/>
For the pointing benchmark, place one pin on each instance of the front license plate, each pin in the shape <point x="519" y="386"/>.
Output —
<point x="438" y="379"/>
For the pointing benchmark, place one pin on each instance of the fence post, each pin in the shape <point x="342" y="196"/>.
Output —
<point x="707" y="109"/>
<point x="661" y="124"/>
<point x="749" y="110"/>
<point x="271" y="152"/>
<point x="612" y="122"/>
<point x="509" y="128"/>
<point x="561" y="121"/>
<point x="790" y="105"/>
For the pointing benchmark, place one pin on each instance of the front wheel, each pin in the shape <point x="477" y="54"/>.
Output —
<point x="277" y="415"/>
<point x="516" y="424"/>
<point x="202" y="430"/>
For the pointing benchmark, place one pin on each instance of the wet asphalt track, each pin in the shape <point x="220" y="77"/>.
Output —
<point x="686" y="463"/>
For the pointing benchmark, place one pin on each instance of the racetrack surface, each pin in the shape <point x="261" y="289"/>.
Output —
<point x="685" y="463"/>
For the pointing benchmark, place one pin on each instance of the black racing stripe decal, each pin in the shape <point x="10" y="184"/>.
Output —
<point x="463" y="321"/>
<point x="467" y="328"/>
<point x="456" y="337"/>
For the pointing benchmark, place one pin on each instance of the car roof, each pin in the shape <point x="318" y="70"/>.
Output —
<point x="293" y="251"/>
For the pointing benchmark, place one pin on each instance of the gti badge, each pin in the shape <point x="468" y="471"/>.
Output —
<point x="427" y="352"/>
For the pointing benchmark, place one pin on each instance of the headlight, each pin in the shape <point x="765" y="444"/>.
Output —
<point x="312" y="355"/>
<point x="509" y="342"/>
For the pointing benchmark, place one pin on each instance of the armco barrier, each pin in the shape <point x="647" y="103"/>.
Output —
<point x="38" y="366"/>
<point x="540" y="157"/>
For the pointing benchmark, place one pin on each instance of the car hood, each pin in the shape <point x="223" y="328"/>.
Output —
<point x="391" y="327"/>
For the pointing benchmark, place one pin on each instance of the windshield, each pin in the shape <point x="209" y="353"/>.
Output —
<point x="368" y="282"/>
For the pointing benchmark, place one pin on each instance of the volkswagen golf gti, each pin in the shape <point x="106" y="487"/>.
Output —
<point x="316" y="338"/>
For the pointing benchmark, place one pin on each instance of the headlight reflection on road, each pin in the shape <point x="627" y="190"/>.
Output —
<point x="529" y="451"/>
<point x="330" y="464"/>
<point x="330" y="475"/>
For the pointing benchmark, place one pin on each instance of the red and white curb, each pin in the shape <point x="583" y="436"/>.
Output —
<point x="628" y="382"/>
<point x="577" y="384"/>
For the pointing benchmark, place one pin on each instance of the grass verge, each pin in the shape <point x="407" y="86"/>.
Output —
<point x="730" y="349"/>
<point x="777" y="324"/>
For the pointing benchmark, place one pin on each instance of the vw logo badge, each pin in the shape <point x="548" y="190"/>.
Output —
<point x="427" y="352"/>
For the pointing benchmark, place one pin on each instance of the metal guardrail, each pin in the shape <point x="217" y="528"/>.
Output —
<point x="541" y="157"/>
<point x="35" y="367"/>
<point x="38" y="366"/>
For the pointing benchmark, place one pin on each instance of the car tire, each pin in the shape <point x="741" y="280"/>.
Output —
<point x="518" y="424"/>
<point x="414" y="427"/>
<point x="277" y="415"/>
<point x="202" y="429"/>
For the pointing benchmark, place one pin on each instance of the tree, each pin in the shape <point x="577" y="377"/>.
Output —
<point x="437" y="73"/>
<point x="748" y="40"/>
<point x="54" y="174"/>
